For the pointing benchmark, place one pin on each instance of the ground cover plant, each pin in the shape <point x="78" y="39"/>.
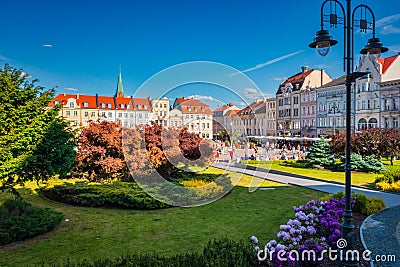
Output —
<point x="98" y="233"/>
<point x="19" y="220"/>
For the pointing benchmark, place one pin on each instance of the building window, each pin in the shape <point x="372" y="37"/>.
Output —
<point x="56" y="102"/>
<point x="85" y="104"/>
<point x="93" y="114"/>
<point x="128" y="106"/>
<point x="110" y="114"/>
<point x="395" y="122"/>
<point x="376" y="103"/>
<point x="372" y="123"/>
<point x="368" y="104"/>
<point x="75" y="113"/>
<point x="71" y="104"/>
<point x="358" y="105"/>
<point x="109" y="105"/>
<point x="387" y="104"/>
<point x="119" y="115"/>
<point x="362" y="124"/>
<point x="126" y="115"/>
<point x="145" y="107"/>
<point x="86" y="114"/>
<point x="395" y="103"/>
<point x="296" y="100"/>
<point x="139" y="106"/>
<point x="122" y="105"/>
<point x="67" y="113"/>
<point x="103" y="105"/>
<point x="75" y="123"/>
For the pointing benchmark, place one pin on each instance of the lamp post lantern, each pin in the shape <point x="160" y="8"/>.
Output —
<point x="322" y="42"/>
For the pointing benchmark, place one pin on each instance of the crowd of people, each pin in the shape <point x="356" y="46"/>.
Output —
<point x="279" y="150"/>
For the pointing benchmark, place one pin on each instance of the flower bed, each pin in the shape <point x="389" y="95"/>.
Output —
<point x="315" y="228"/>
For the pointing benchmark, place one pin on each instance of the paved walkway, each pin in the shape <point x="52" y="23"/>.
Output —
<point x="390" y="199"/>
<point x="380" y="233"/>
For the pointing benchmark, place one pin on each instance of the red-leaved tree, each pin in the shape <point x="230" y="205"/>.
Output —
<point x="107" y="151"/>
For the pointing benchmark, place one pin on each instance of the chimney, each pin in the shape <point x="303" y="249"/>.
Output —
<point x="77" y="96"/>
<point x="65" y="94"/>
<point x="304" y="69"/>
<point x="97" y="100"/>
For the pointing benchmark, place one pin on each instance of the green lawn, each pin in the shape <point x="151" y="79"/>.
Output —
<point x="357" y="178"/>
<point x="97" y="233"/>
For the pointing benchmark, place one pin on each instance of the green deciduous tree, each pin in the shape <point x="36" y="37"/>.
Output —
<point x="35" y="143"/>
<point x="320" y="155"/>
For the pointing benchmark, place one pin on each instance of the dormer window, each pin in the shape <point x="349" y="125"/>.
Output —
<point x="56" y="102"/>
<point x="85" y="104"/>
<point x="139" y="106"/>
<point x="145" y="107"/>
<point x="71" y="105"/>
<point x="103" y="105"/>
<point x="189" y="109"/>
<point x="109" y="105"/>
<point x="122" y="105"/>
<point x="203" y="109"/>
<point x="128" y="106"/>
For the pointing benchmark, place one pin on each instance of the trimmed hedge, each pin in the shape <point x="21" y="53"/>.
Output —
<point x="362" y="204"/>
<point x="221" y="253"/>
<point x="19" y="220"/>
<point x="125" y="195"/>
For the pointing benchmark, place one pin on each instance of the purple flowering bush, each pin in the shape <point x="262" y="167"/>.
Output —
<point x="316" y="227"/>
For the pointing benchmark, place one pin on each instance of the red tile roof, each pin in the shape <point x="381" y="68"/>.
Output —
<point x="192" y="106"/>
<point x="387" y="62"/>
<point x="298" y="78"/>
<point x="224" y="107"/>
<point x="143" y="102"/>
<point x="83" y="101"/>
<point x="232" y="112"/>
<point x="106" y="102"/>
<point x="94" y="102"/>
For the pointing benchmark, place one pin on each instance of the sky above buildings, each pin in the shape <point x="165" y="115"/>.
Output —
<point x="79" y="46"/>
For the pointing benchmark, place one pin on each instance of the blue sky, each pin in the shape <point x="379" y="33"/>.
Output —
<point x="79" y="45"/>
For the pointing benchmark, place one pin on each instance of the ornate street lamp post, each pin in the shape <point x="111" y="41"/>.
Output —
<point x="322" y="42"/>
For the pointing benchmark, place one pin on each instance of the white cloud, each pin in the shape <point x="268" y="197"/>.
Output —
<point x="387" y="25"/>
<point x="279" y="78"/>
<point x="272" y="61"/>
<point x="71" y="89"/>
<point x="47" y="45"/>
<point x="25" y="75"/>
<point x="201" y="97"/>
<point x="252" y="93"/>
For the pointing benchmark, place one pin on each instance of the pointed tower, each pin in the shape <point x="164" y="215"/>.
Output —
<point x="120" y="89"/>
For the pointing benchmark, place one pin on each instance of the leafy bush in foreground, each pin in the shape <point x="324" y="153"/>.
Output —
<point x="362" y="203"/>
<point x="19" y="220"/>
<point x="221" y="253"/>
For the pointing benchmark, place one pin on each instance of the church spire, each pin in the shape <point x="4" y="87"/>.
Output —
<point x="120" y="89"/>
